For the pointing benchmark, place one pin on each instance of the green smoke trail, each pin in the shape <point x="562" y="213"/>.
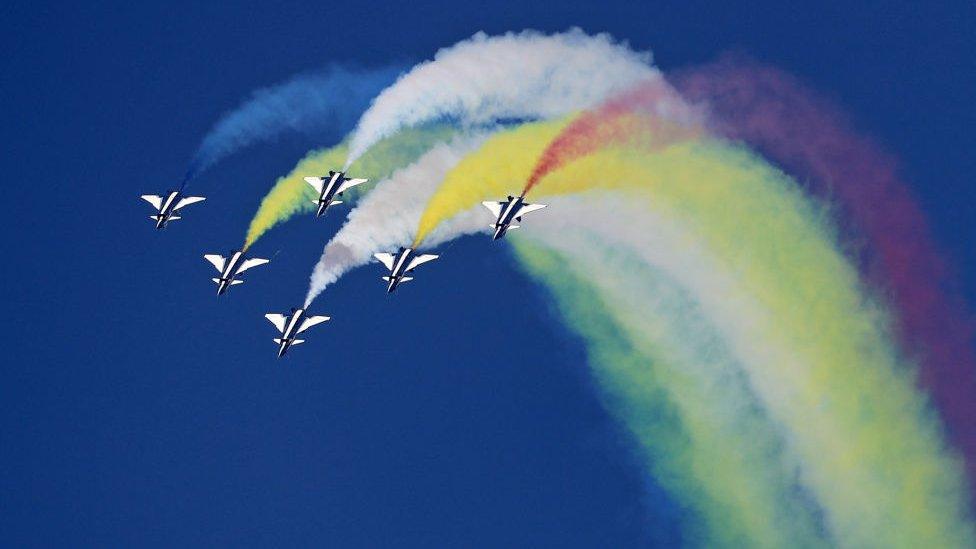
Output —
<point x="676" y="388"/>
<point x="291" y="195"/>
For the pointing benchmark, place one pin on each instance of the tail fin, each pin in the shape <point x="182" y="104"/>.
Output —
<point x="236" y="281"/>
<point x="297" y="341"/>
<point x="334" y="202"/>
<point x="406" y="279"/>
<point x="510" y="227"/>
<point x="216" y="280"/>
<point x="386" y="278"/>
<point x="277" y="340"/>
<point x="174" y="217"/>
<point x="314" y="201"/>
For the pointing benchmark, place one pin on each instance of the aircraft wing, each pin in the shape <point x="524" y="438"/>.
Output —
<point x="156" y="201"/>
<point x="350" y="183"/>
<point x="187" y="200"/>
<point x="311" y="321"/>
<point x="217" y="261"/>
<point x="386" y="259"/>
<point x="316" y="182"/>
<point x="277" y="320"/>
<point x="494" y="207"/>
<point x="527" y="208"/>
<point x="253" y="262"/>
<point x="420" y="260"/>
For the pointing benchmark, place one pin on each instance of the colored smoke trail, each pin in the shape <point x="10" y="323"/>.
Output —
<point x="651" y="112"/>
<point x="501" y="166"/>
<point x="770" y="276"/>
<point x="291" y="195"/>
<point x="673" y="382"/>
<point x="316" y="103"/>
<point x="385" y="219"/>
<point x="484" y="79"/>
<point x="794" y="127"/>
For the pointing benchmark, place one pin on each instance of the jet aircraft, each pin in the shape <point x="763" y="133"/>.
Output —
<point x="168" y="207"/>
<point x="329" y="188"/>
<point x="290" y="326"/>
<point x="231" y="269"/>
<point x="400" y="264"/>
<point x="508" y="211"/>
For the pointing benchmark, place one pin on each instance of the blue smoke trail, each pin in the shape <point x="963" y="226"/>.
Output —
<point x="308" y="103"/>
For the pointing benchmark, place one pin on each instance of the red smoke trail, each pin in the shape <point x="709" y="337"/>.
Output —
<point x="652" y="110"/>
<point x="775" y="114"/>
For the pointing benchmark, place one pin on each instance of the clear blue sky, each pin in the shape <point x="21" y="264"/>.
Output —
<point x="139" y="410"/>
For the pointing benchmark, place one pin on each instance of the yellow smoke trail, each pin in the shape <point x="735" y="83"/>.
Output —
<point x="291" y="195"/>
<point x="668" y="376"/>
<point x="501" y="166"/>
<point x="819" y="356"/>
<point x="872" y="450"/>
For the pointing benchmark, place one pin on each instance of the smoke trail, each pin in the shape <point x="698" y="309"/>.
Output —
<point x="514" y="76"/>
<point x="387" y="216"/>
<point x="815" y="349"/>
<point x="326" y="101"/>
<point x="679" y="391"/>
<point x="500" y="167"/>
<point x="291" y="195"/>
<point x="799" y="130"/>
<point x="652" y="112"/>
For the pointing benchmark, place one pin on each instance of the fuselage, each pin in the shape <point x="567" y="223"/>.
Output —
<point x="507" y="215"/>
<point x="399" y="268"/>
<point x="166" y="209"/>
<point x="229" y="272"/>
<point x="329" y="192"/>
<point x="290" y="331"/>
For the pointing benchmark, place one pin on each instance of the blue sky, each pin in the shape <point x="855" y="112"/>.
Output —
<point x="137" y="409"/>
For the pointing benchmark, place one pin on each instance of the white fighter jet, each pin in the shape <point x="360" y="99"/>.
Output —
<point x="510" y="210"/>
<point x="167" y="208"/>
<point x="291" y="325"/>
<point x="329" y="188"/>
<point x="230" y="269"/>
<point x="401" y="263"/>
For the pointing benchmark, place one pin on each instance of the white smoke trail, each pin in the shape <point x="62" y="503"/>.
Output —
<point x="735" y="452"/>
<point x="524" y="75"/>
<point x="326" y="101"/>
<point x="387" y="218"/>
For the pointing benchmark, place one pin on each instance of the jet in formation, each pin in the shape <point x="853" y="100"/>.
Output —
<point x="290" y="326"/>
<point x="400" y="264"/>
<point x="329" y="188"/>
<point x="167" y="208"/>
<point x="230" y="269"/>
<point x="508" y="211"/>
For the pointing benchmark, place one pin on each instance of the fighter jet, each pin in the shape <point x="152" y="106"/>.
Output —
<point x="231" y="269"/>
<point x="290" y="326"/>
<point x="511" y="210"/>
<point x="329" y="188"/>
<point x="168" y="207"/>
<point x="401" y="263"/>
